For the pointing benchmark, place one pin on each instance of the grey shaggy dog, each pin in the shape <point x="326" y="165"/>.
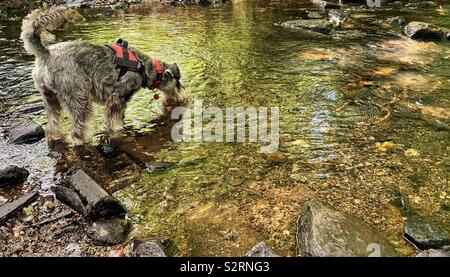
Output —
<point x="77" y="74"/>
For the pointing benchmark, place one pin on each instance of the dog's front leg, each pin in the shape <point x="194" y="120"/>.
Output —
<point x="54" y="110"/>
<point x="115" y="113"/>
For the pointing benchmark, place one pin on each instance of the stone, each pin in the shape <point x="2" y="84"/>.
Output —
<point x="323" y="231"/>
<point x="25" y="133"/>
<point x="30" y="108"/>
<point x="261" y="250"/>
<point x="322" y="26"/>
<point x="70" y="198"/>
<point x="314" y="15"/>
<point x="434" y="253"/>
<point x="100" y="204"/>
<point x="424" y="31"/>
<point x="325" y="5"/>
<point x="147" y="248"/>
<point x="12" y="175"/>
<point x="108" y="232"/>
<point x="6" y="210"/>
<point x="425" y="235"/>
<point x="158" y="166"/>
<point x="422" y="5"/>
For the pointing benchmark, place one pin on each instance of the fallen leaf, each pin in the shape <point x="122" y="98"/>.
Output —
<point x="411" y="152"/>
<point x="387" y="145"/>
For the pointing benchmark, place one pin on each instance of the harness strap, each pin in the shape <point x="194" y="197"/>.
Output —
<point x="125" y="60"/>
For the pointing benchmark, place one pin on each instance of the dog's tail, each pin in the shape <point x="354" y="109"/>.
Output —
<point x="37" y="22"/>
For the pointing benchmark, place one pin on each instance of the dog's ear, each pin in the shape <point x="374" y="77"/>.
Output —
<point x="173" y="71"/>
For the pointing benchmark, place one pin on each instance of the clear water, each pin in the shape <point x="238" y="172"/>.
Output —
<point x="222" y="198"/>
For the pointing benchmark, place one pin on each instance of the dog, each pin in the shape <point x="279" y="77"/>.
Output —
<point x="76" y="74"/>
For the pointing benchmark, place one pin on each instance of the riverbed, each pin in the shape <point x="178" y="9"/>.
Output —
<point x="222" y="198"/>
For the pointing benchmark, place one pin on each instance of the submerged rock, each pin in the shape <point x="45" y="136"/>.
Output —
<point x="425" y="235"/>
<point x="314" y="15"/>
<point x="425" y="31"/>
<point x="261" y="250"/>
<point x="26" y="132"/>
<point x="108" y="232"/>
<point x="322" y="231"/>
<point x="322" y="26"/>
<point x="422" y="5"/>
<point x="147" y="248"/>
<point x="12" y="175"/>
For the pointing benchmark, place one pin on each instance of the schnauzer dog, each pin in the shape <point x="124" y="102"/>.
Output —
<point x="77" y="74"/>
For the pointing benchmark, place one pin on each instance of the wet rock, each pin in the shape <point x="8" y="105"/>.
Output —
<point x="396" y="21"/>
<point x="322" y="26"/>
<point x="314" y="15"/>
<point x="322" y="231"/>
<point x="261" y="250"/>
<point x="422" y="5"/>
<point x="12" y="175"/>
<point x="158" y="166"/>
<point x="108" y="232"/>
<point x="147" y="248"/>
<point x="425" y="31"/>
<point x="434" y="253"/>
<point x="325" y="5"/>
<point x="121" y="6"/>
<point x="107" y="150"/>
<point x="30" y="108"/>
<point x="100" y="204"/>
<point x="70" y="198"/>
<point x="425" y="235"/>
<point x="6" y="210"/>
<point x="26" y="132"/>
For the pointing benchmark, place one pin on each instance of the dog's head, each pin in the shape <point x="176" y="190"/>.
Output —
<point x="170" y="82"/>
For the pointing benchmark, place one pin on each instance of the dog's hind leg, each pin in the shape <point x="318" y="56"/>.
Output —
<point x="54" y="111"/>
<point x="115" y="113"/>
<point x="80" y="115"/>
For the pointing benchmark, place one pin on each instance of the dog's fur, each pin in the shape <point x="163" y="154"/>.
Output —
<point x="76" y="74"/>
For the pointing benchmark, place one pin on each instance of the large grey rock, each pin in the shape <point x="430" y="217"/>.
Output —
<point x="261" y="250"/>
<point x="424" y="31"/>
<point x="434" y="253"/>
<point x="25" y="132"/>
<point x="12" y="175"/>
<point x="425" y="235"/>
<point x="147" y="248"/>
<point x="322" y="26"/>
<point x="108" y="232"/>
<point x="323" y="231"/>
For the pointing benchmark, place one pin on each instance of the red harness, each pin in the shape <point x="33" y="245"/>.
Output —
<point x="125" y="60"/>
